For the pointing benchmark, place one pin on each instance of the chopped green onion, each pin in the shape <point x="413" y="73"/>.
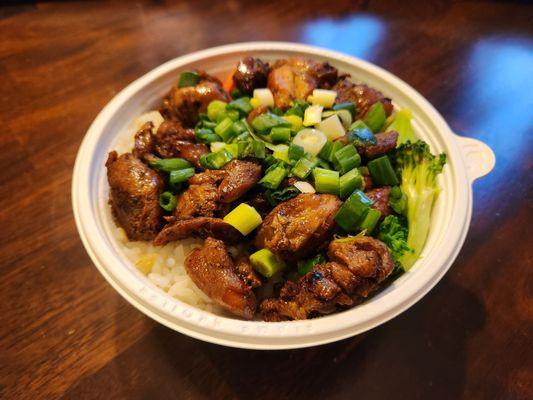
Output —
<point x="297" y="108"/>
<point x="323" y="164"/>
<point x="277" y="196"/>
<point x="346" y="106"/>
<point x="370" y="220"/>
<point x="236" y="93"/>
<point x="402" y="125"/>
<point x="231" y="114"/>
<point x="242" y="104"/>
<point x="305" y="266"/>
<point x="267" y="263"/>
<point x="274" y="177"/>
<point x="223" y="129"/>
<point x="280" y="134"/>
<point x="312" y="140"/>
<point x="239" y="127"/>
<point x="209" y="124"/>
<point x="216" y="160"/>
<point x="397" y="200"/>
<point x="332" y="127"/>
<point x="263" y="97"/>
<point x="323" y="97"/>
<point x="352" y="211"/>
<point x="295" y="152"/>
<point x="281" y="152"/>
<point x="382" y="172"/>
<point x="312" y="115"/>
<point x="326" y="149"/>
<point x="360" y="134"/>
<point x="346" y="118"/>
<point x="167" y="201"/>
<point x="244" y="218"/>
<point x="188" y="78"/>
<point x="204" y="135"/>
<point x="265" y="122"/>
<point x="233" y="149"/>
<point x="303" y="167"/>
<point x="346" y="159"/>
<point x="326" y="181"/>
<point x="170" y="164"/>
<point x="214" y="108"/>
<point x="216" y="146"/>
<point x="295" y="121"/>
<point x="258" y="149"/>
<point x="181" y="175"/>
<point x="335" y="146"/>
<point x="175" y="187"/>
<point x="350" y="181"/>
<point x="375" y="117"/>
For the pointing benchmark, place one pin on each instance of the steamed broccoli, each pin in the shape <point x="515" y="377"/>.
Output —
<point x="418" y="169"/>
<point x="393" y="232"/>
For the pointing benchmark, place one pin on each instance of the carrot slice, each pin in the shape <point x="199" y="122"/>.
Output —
<point x="228" y="84"/>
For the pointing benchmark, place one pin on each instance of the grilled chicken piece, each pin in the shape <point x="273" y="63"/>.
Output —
<point x="144" y="147"/>
<point x="356" y="268"/>
<point x="386" y="141"/>
<point x="213" y="270"/>
<point x="241" y="176"/>
<point x="380" y="196"/>
<point x="173" y="140"/>
<point x="298" y="227"/>
<point x="134" y="195"/>
<point x="251" y="73"/>
<point x="185" y="103"/>
<point x="201" y="227"/>
<point x="201" y="197"/>
<point x="362" y="95"/>
<point x="296" y="78"/>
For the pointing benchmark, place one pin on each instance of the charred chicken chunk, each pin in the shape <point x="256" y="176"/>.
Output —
<point x="173" y="140"/>
<point x="241" y="176"/>
<point x="213" y="270"/>
<point x="134" y="195"/>
<point x="251" y="73"/>
<point x="386" y="141"/>
<point x="298" y="227"/>
<point x="296" y="78"/>
<point x="356" y="268"/>
<point x="380" y="196"/>
<point x="200" y="227"/>
<point x="201" y="199"/>
<point x="185" y="103"/>
<point x="362" y="96"/>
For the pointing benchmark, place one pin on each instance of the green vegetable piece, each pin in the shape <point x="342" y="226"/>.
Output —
<point x="345" y="106"/>
<point x="265" y="122"/>
<point x="277" y="196"/>
<point x="214" y="108"/>
<point x="295" y="152"/>
<point x="170" y="164"/>
<point x="402" y="125"/>
<point x="204" y="135"/>
<point x="216" y="160"/>
<point x="167" y="201"/>
<point x="335" y="146"/>
<point x="305" y="266"/>
<point x="181" y="175"/>
<point x="274" y="177"/>
<point x="419" y="170"/>
<point x="280" y="134"/>
<point x="267" y="263"/>
<point x="239" y="127"/>
<point x="397" y="200"/>
<point x="223" y="129"/>
<point x="323" y="164"/>
<point x="393" y="232"/>
<point x="350" y="181"/>
<point x="361" y="135"/>
<point x="375" y="117"/>
<point x="297" y="108"/>
<point x="188" y="78"/>
<point x="382" y="172"/>
<point x="258" y="149"/>
<point x="326" y="181"/>
<point x="244" y="218"/>
<point x="233" y="149"/>
<point x="353" y="211"/>
<point x="346" y="159"/>
<point x="236" y="93"/>
<point x="370" y="220"/>
<point x="241" y="104"/>
<point x="326" y="150"/>
<point x="303" y="167"/>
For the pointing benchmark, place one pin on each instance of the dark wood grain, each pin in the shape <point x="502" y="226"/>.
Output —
<point x="64" y="333"/>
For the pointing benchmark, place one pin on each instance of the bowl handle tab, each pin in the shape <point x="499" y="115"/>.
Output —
<point x="479" y="157"/>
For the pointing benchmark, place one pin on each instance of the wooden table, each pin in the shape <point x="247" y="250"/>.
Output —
<point x="66" y="333"/>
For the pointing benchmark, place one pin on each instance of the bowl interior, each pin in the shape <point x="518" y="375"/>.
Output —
<point x="113" y="130"/>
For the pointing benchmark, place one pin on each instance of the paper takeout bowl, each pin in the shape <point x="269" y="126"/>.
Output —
<point x="468" y="159"/>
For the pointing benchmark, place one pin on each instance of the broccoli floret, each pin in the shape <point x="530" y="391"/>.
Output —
<point x="418" y="169"/>
<point x="393" y="232"/>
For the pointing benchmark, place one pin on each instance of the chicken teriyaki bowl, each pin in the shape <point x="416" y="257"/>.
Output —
<point x="286" y="190"/>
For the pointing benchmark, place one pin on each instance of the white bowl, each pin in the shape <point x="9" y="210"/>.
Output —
<point x="468" y="159"/>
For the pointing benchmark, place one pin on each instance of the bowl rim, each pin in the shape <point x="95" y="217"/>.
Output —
<point x="258" y="334"/>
